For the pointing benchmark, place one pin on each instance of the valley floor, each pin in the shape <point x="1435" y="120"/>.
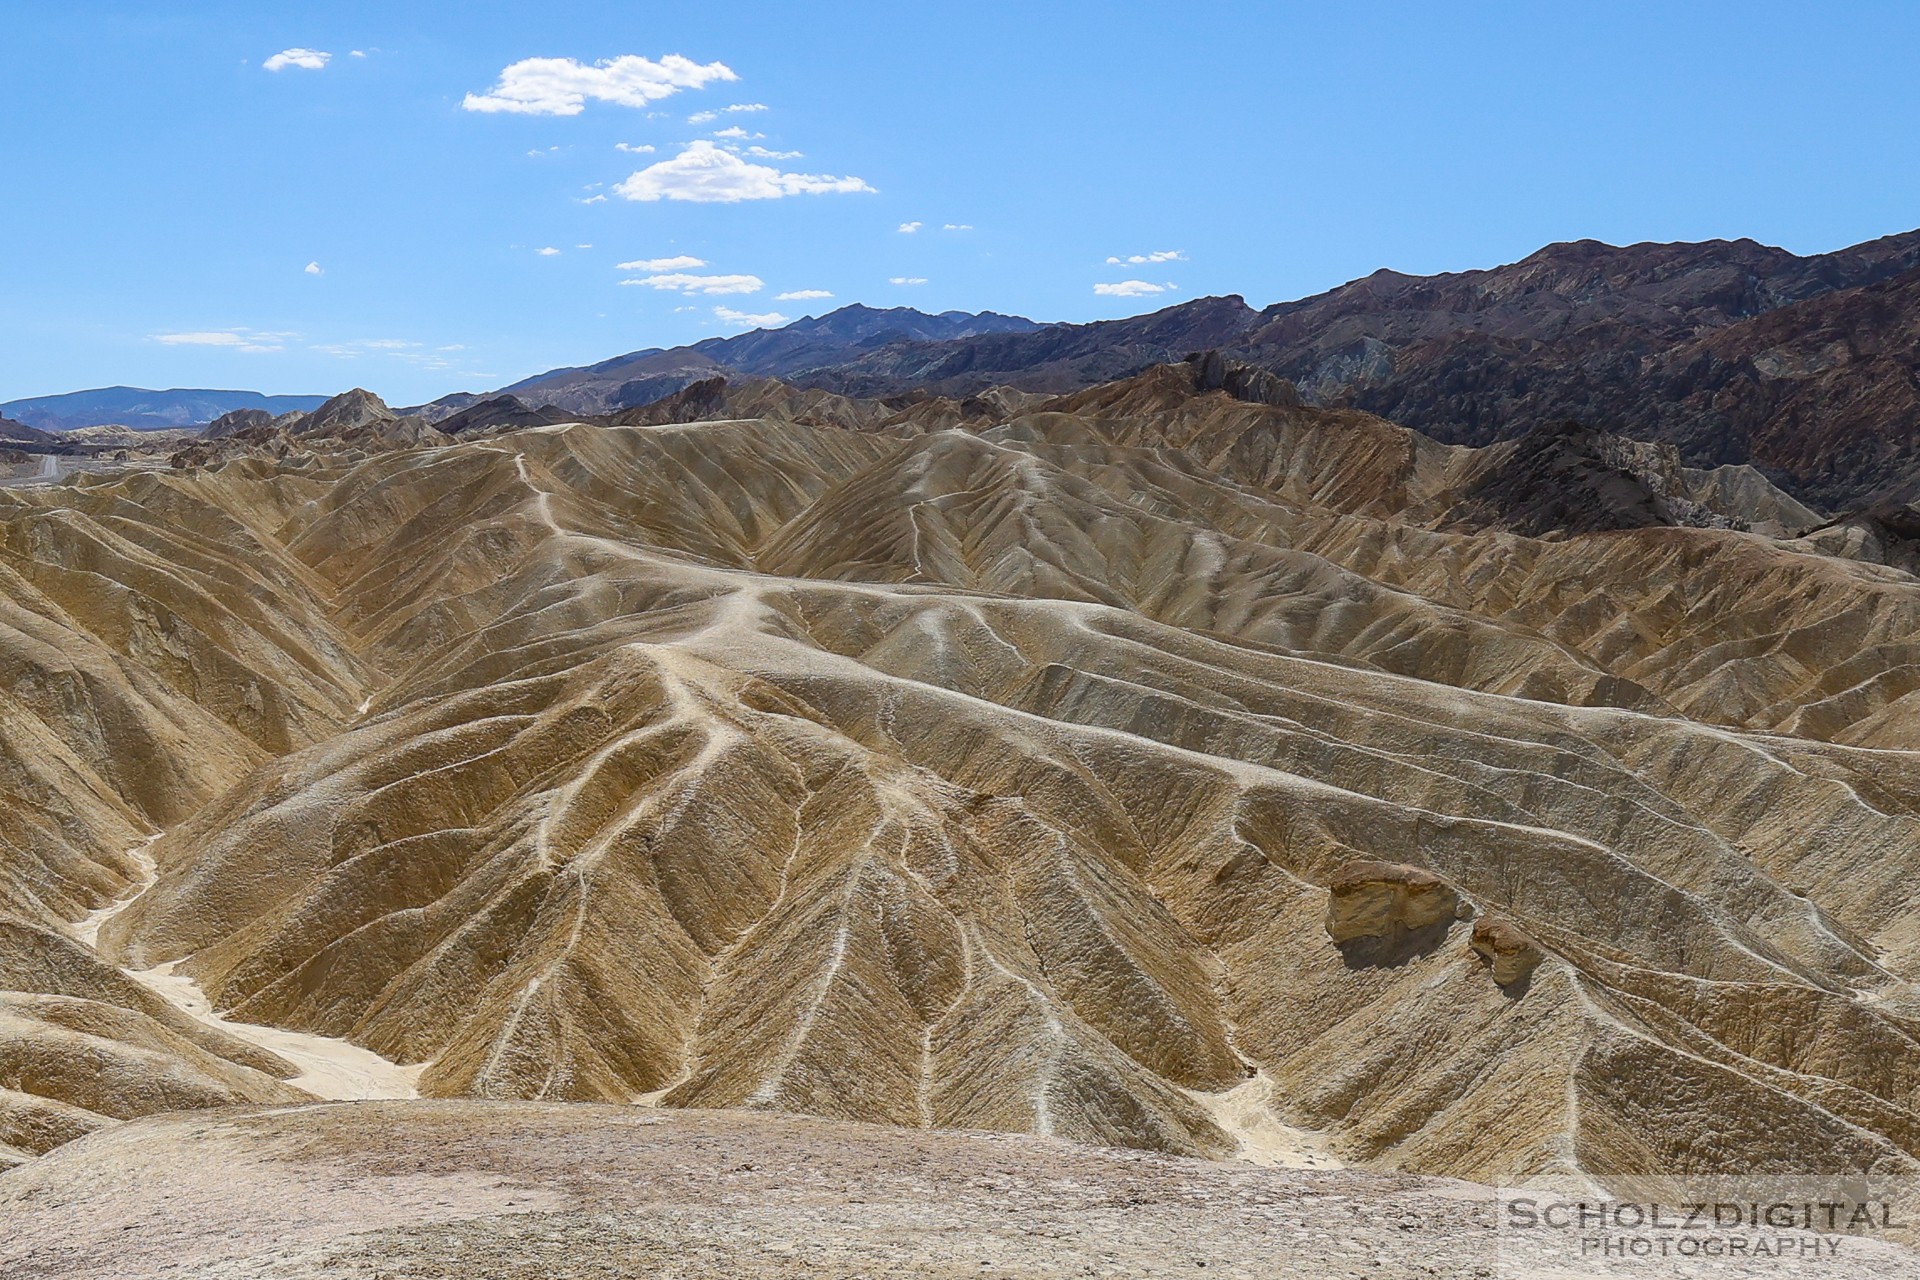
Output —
<point x="519" y="1191"/>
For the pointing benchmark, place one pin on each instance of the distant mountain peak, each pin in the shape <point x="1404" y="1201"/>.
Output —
<point x="145" y="409"/>
<point x="347" y="411"/>
<point x="835" y="337"/>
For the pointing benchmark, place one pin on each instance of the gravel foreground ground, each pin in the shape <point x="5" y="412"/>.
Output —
<point x="533" y="1191"/>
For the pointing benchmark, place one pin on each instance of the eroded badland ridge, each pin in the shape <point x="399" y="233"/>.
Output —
<point x="1170" y="765"/>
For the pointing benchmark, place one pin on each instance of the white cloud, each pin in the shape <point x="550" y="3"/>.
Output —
<point x="906" y="279"/>
<point x="593" y="200"/>
<point x="703" y="117"/>
<point x="548" y="252"/>
<point x="313" y="269"/>
<point x="801" y="295"/>
<point x="680" y="263"/>
<point x="957" y="226"/>
<point x="638" y="149"/>
<point x="1140" y="259"/>
<point x="221" y="339"/>
<point x="762" y="320"/>
<point x="357" y="53"/>
<point x="1130" y="289"/>
<point x="583" y="246"/>
<point x="708" y="174"/>
<point x="748" y="106"/>
<point x="305" y="59"/>
<point x="761" y="153"/>
<point x="403" y="349"/>
<point x="736" y="132"/>
<point x="562" y="86"/>
<point x="908" y="228"/>
<point x="231" y="339"/>
<point x="692" y="284"/>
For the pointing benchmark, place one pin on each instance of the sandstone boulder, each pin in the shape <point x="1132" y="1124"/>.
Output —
<point x="1509" y="950"/>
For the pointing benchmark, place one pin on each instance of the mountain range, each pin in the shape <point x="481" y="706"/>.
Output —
<point x="1733" y="351"/>
<point x="142" y="409"/>
<point x="808" y="343"/>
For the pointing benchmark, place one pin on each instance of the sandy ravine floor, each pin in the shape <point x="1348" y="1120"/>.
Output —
<point x="330" y="1068"/>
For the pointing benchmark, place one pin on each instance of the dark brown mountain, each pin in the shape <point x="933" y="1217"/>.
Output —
<point x="1733" y="351"/>
<point x="1058" y="358"/>
<point x="500" y="413"/>
<point x="12" y="432"/>
<point x="812" y="342"/>
<point x="1826" y="393"/>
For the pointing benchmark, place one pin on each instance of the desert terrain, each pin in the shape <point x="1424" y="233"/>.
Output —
<point x="1169" y="766"/>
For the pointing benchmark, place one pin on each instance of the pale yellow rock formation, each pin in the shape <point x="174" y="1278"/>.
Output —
<point x="1387" y="901"/>
<point x="1511" y="955"/>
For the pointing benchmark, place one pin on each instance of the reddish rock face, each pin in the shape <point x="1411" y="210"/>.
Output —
<point x="1733" y="351"/>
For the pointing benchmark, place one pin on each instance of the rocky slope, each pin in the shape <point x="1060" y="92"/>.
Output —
<point x="1087" y="767"/>
<point x="19" y="433"/>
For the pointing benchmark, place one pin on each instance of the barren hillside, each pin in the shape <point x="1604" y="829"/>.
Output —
<point x="1149" y="767"/>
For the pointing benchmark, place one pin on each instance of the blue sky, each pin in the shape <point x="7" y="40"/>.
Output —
<point x="166" y="194"/>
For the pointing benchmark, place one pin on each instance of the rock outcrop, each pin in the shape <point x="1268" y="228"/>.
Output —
<point x="1387" y="902"/>
<point x="1509" y="951"/>
<point x="1214" y="372"/>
